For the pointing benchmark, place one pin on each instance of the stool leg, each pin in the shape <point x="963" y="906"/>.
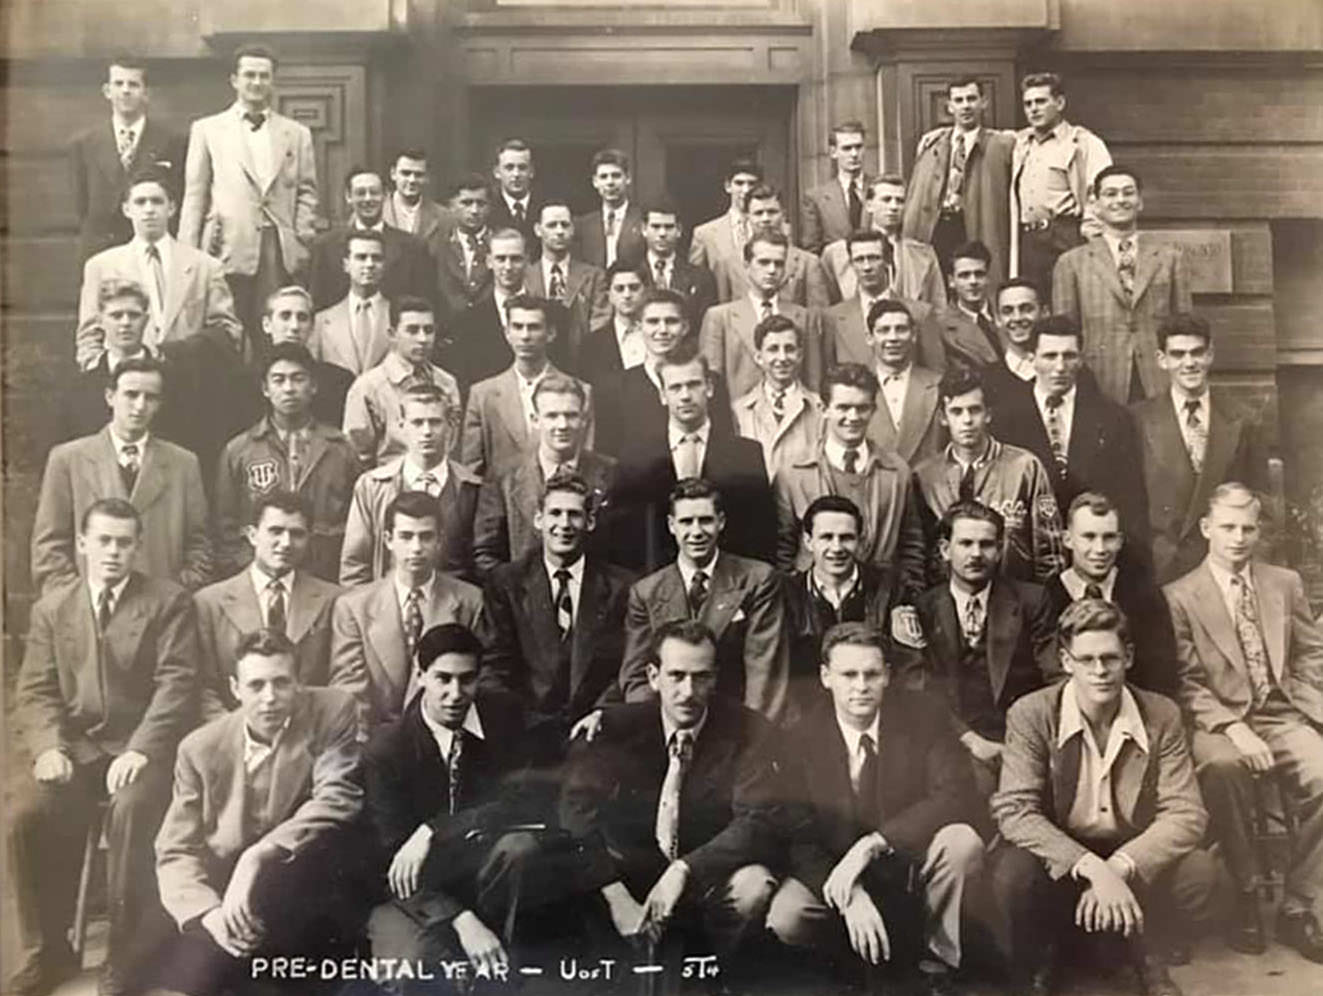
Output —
<point x="78" y="930"/>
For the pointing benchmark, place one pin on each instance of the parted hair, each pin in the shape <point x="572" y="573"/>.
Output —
<point x="569" y="481"/>
<point x="690" y="631"/>
<point x="289" y="502"/>
<point x="973" y="249"/>
<point x="1233" y="494"/>
<point x="289" y="290"/>
<point x="970" y="509"/>
<point x="150" y="173"/>
<point x="136" y="364"/>
<point x="694" y="488"/>
<point x="767" y="239"/>
<point x="428" y="394"/>
<point x="264" y="642"/>
<point x="414" y="504"/>
<point x="1184" y="323"/>
<point x="1023" y="283"/>
<point x="116" y="287"/>
<point x="254" y="52"/>
<point x="849" y="375"/>
<point x="556" y="383"/>
<point x="664" y="295"/>
<point x="851" y="634"/>
<point x="1050" y="80"/>
<point x="775" y="323"/>
<point x="610" y="157"/>
<point x="409" y="302"/>
<point x="447" y="638"/>
<point x="357" y="170"/>
<point x="1095" y="501"/>
<point x="830" y="503"/>
<point x="625" y="264"/>
<point x="111" y="508"/>
<point x="363" y="235"/>
<point x="959" y="378"/>
<point x="1092" y="615"/>
<point x="1117" y="169"/>
<point x="1055" y="325"/>
<point x="466" y="181"/>
<point x="887" y="306"/>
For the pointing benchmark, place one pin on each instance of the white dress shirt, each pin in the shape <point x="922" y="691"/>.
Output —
<point x="852" y="748"/>
<point x="119" y="445"/>
<point x="116" y="593"/>
<point x="668" y="267"/>
<point x="118" y="125"/>
<point x="964" y="598"/>
<point x="833" y="594"/>
<point x="550" y="464"/>
<point x="848" y="183"/>
<point x="424" y="592"/>
<point x="674" y="434"/>
<point x="510" y="203"/>
<point x="576" y="581"/>
<point x="471" y="255"/>
<point x="413" y="475"/>
<point x="613" y="239"/>
<point x="835" y="454"/>
<point x="688" y="569"/>
<point x="1066" y="412"/>
<point x="258" y="752"/>
<point x="629" y="340"/>
<point x="258" y="142"/>
<point x="894" y="386"/>
<point x="527" y="385"/>
<point x="445" y="736"/>
<point x="406" y="214"/>
<point x="1075" y="584"/>
<point x="261" y="587"/>
<point x="1093" y="813"/>
<point x="1114" y="241"/>
<point x="756" y="300"/>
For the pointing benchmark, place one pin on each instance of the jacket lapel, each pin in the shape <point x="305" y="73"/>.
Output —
<point x="106" y="154"/>
<point x="1149" y="253"/>
<point x="182" y="266"/>
<point x="305" y="603"/>
<point x="235" y="126"/>
<point x="1131" y="767"/>
<point x="916" y="411"/>
<point x="1212" y="612"/>
<point x="744" y="320"/>
<point x="228" y="769"/>
<point x="386" y="635"/>
<point x="281" y="140"/>
<point x="124" y="635"/>
<point x="724" y="598"/>
<point x="1100" y="257"/>
<point x="537" y="593"/>
<point x="238" y="602"/>
<point x="588" y="617"/>
<point x="512" y="412"/>
<point x="151" y="480"/>
<point x="672" y="599"/>
<point x="291" y="764"/>
<point x="1065" y="770"/>
<point x="103" y="468"/>
<point x="851" y="339"/>
<point x="1275" y="623"/>
<point x="1004" y="622"/>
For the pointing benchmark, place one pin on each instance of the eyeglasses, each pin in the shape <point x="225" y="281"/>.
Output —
<point x="1107" y="662"/>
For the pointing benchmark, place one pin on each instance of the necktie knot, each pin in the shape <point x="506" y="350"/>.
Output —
<point x="428" y="481"/>
<point x="154" y="253"/>
<point x="852" y="460"/>
<point x="1192" y="408"/>
<point x="1092" y="590"/>
<point x="1052" y="402"/>
<point x="130" y="452"/>
<point x="698" y="592"/>
<point x="682" y="742"/>
<point x="255" y="119"/>
<point x="866" y="745"/>
<point x="276" y="586"/>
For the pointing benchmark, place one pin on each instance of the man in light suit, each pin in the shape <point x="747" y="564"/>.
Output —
<point x="428" y="421"/>
<point x="105" y="692"/>
<point x="1251" y="684"/>
<point x="516" y="204"/>
<point x="407" y="267"/>
<point x="352" y="333"/>
<point x="1100" y="814"/>
<point x="186" y="289"/>
<point x="726" y="336"/>
<point x="912" y="269"/>
<point x="804" y="281"/>
<point x="498" y="420"/>
<point x="719" y="243"/>
<point x="275" y="592"/>
<point x="265" y="798"/>
<point x="504" y="526"/>
<point x="739" y="599"/>
<point x="780" y="412"/>
<point x="1190" y="442"/>
<point x="250" y="196"/>
<point x="1119" y="287"/>
<point x="836" y="208"/>
<point x="908" y="421"/>
<point x="125" y="460"/>
<point x="556" y="615"/>
<point x="463" y="275"/>
<point x="408" y="207"/>
<point x="961" y="180"/>
<point x="613" y="231"/>
<point x="577" y="288"/>
<point x="375" y="628"/>
<point x="662" y="266"/>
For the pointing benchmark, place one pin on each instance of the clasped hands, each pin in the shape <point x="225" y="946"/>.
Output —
<point x="234" y="924"/>
<point x="647" y="920"/>
<point x="1108" y="904"/>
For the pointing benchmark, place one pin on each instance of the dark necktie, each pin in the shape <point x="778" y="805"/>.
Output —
<point x="865" y="793"/>
<point x="856" y="206"/>
<point x="778" y="404"/>
<point x="697" y="593"/>
<point x="158" y="274"/>
<point x="989" y="333"/>
<point x="852" y="460"/>
<point x="1092" y="590"/>
<point x="967" y="484"/>
<point x="129" y="466"/>
<point x="1056" y="432"/>
<point x="254" y="119"/>
<point x="518" y="212"/>
<point x="275" y="606"/>
<point x="413" y="622"/>
<point x="422" y="375"/>
<point x="564" y="604"/>
<point x="103" y="610"/>
<point x="455" y="769"/>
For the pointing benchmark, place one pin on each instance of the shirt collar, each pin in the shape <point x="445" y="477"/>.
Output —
<point x="549" y="465"/>
<point x="623" y="325"/>
<point x="963" y="598"/>
<point x="674" y="433"/>
<point x="443" y="734"/>
<point x="375" y="300"/>
<point x="1178" y="400"/>
<point x="258" y="750"/>
<point x="850" y="583"/>
<point x="521" y="201"/>
<point x="1223" y="576"/>
<point x="397" y="369"/>
<point x="119" y="123"/>
<point x="402" y="590"/>
<point x="835" y="453"/>
<point x="853" y="736"/>
<point x="1067" y="399"/>
<point x="687" y="570"/>
<point x="1021" y="366"/>
<point x="164" y="244"/>
<point x="1057" y="133"/>
<point x="757" y="302"/>
<point x="974" y="316"/>
<point x="119" y="444"/>
<point x="883" y="375"/>
<point x="989" y="453"/>
<point x="669" y="728"/>
<point x="528" y="383"/>
<point x="261" y="579"/>
<point x="1075" y="583"/>
<point x="240" y="110"/>
<point x="1128" y="722"/>
<point x="411" y="472"/>
<point x="654" y="259"/>
<point x="575" y="569"/>
<point x="116" y="591"/>
<point x="792" y="393"/>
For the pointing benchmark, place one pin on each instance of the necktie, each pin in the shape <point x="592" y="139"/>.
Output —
<point x="1092" y="590"/>
<point x="125" y="143"/>
<point x="610" y="223"/>
<point x="686" y="452"/>
<point x="966" y="488"/>
<point x="955" y="176"/>
<point x="428" y="483"/>
<point x="103" y="611"/>
<point x="697" y="593"/>
<point x="275" y="606"/>
<point x="764" y="309"/>
<point x="668" y="805"/>
<point x="659" y="274"/>
<point x="1056" y="432"/>
<point x="158" y="275"/>
<point x="413" y="622"/>
<point x="564" y="605"/>
<point x="1125" y="267"/>
<point x="741" y="235"/>
<point x="989" y="333"/>
<point x="518" y="211"/>
<point x="972" y="623"/>
<point x="471" y="259"/>
<point x="254" y="119"/>
<point x="1251" y="640"/>
<point x="1197" y="437"/>
<point x="856" y="205"/>
<point x="852" y="460"/>
<point x="422" y="375"/>
<point x="865" y="789"/>
<point x="557" y="282"/>
<point x="360" y="331"/>
<point x="129" y="466"/>
<point x="455" y="769"/>
<point x="779" y="403"/>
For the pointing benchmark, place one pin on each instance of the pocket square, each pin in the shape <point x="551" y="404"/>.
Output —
<point x="738" y="616"/>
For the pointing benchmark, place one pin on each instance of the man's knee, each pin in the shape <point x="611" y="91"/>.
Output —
<point x="749" y="891"/>
<point x="143" y="800"/>
<point x="1016" y="873"/>
<point x="796" y="916"/>
<point x="515" y="849"/>
<point x="394" y="934"/>
<point x="958" y="847"/>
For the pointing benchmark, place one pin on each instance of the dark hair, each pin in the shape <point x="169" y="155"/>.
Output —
<point x="253" y="52"/>
<point x="288" y="352"/>
<point x="529" y="302"/>
<point x="849" y="375"/>
<point x="1116" y="169"/>
<point x="409" y="302"/>
<point x="851" y="127"/>
<point x="114" y="287"/>
<point x="764" y="192"/>
<point x="775" y="323"/>
<point x="466" y="181"/>
<point x="959" y="378"/>
<point x="412" y="152"/>
<point x="694" y="489"/>
<point x="1096" y="502"/>
<point x="566" y="480"/>
<point x="972" y="249"/>
<point x="514" y="145"/>
<point x="555" y="202"/>
<point x="684" y="353"/>
<point x="1092" y="615"/>
<point x="136" y="364"/>
<point x="127" y="60"/>
<point x="414" y="504"/>
<point x="289" y="502"/>
<point x="742" y="164"/>
<point x="610" y="157"/>
<point x="1022" y="282"/>
<point x="885" y="180"/>
<point x="358" y="169"/>
<point x="1055" y="325"/>
<point x="364" y="235"/>
<point x="448" y="638"/>
<point x="111" y="508"/>
<point x="1184" y="323"/>
<point x="862" y="235"/>
<point x="626" y="264"/>
<point x="149" y="174"/>
<point x="830" y="503"/>
<point x="664" y="295"/>
<point x="852" y="634"/>
<point x="661" y="205"/>
<point x="767" y="239"/>
<point x="887" y="306"/>
<point x="970" y="509"/>
<point x="963" y="81"/>
<point x="1050" y="80"/>
<point x="688" y="631"/>
<point x="265" y="643"/>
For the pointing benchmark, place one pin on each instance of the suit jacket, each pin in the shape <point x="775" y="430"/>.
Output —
<point x="924" y="783"/>
<point x="229" y="609"/>
<point x="477" y="348"/>
<point x="920" y="433"/>
<point x="501" y="217"/>
<point x="1214" y="683"/>
<point x="1179" y="496"/>
<point x="432" y="222"/>
<point x="409" y="268"/>
<point x="1146" y="611"/>
<point x="918" y="275"/>
<point x="744" y="608"/>
<point x="613" y="785"/>
<point x="135" y="692"/>
<point x="1102" y="439"/>
<point x="226" y="203"/>
<point x="526" y="657"/>
<point x="496" y="435"/>
<point x="590" y="236"/>
<point x="599" y="356"/>
<point x="196" y="296"/>
<point x="892" y="536"/>
<point x="726" y="339"/>
<point x="1160" y="813"/>
<point x="796" y="437"/>
<point x="807" y="282"/>
<point x="99" y="178"/>
<point x="167" y="494"/>
<point x="503" y="524"/>
<point x="585" y="305"/>
<point x="964" y="339"/>
<point x="368" y="646"/>
<point x="692" y="280"/>
<point x="332" y="340"/>
<point x="314" y="792"/>
<point x="1120" y="332"/>
<point x="713" y="247"/>
<point x="986" y="192"/>
<point x="458" y="288"/>
<point x="824" y="214"/>
<point x="629" y="409"/>
<point x="364" y="557"/>
<point x="1019" y="644"/>
<point x="844" y="329"/>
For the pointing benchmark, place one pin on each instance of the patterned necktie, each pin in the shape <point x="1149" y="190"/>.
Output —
<point x="865" y="788"/>
<point x="741" y="235"/>
<point x="779" y="404"/>
<point x="254" y="119"/>
<point x="764" y="309"/>
<point x="422" y="376"/>
<point x="564" y="604"/>
<point x="1056" y="431"/>
<point x="1092" y="590"/>
<point x="697" y="593"/>
<point x="852" y="460"/>
<point x="158" y="274"/>
<point x="681" y="752"/>
<point x="972" y="622"/>
<point x="275" y="605"/>
<point x="659" y="274"/>
<point x="429" y="484"/>
<point x="856" y="205"/>
<point x="1250" y="635"/>
<point x="413" y="622"/>
<point x="124" y="140"/>
<point x="557" y="282"/>
<point x="687" y="464"/>
<point x="1125" y="267"/>
<point x="129" y="465"/>
<point x="955" y="175"/>
<point x="455" y="769"/>
<point x="1197" y="436"/>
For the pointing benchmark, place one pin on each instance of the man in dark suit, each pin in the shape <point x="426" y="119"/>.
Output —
<point x="408" y="208"/>
<point x="440" y="800"/>
<point x="515" y="204"/>
<point x="1094" y="540"/>
<point x="264" y="801"/>
<point x="736" y="597"/>
<point x="1015" y="307"/>
<point x="989" y="638"/>
<point x="407" y="269"/>
<point x="890" y="801"/>
<point x="463" y="275"/>
<point x="1251" y="685"/>
<point x="275" y="593"/>
<point x="616" y="345"/>
<point x="691" y="445"/>
<point x="1083" y="439"/>
<point x="503" y="526"/>
<point x="968" y="328"/>
<point x="103" y="158"/>
<point x="836" y="208"/>
<point x="1190" y="442"/>
<point x="105" y="692"/>
<point x="556" y="616"/>
<point x="672" y="801"/>
<point x="662" y="266"/>
<point x="611" y="232"/>
<point x="578" y="289"/>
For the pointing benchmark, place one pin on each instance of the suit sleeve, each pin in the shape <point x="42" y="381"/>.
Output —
<point x="1094" y="158"/>
<point x="788" y="528"/>
<point x="491" y="532"/>
<point x="359" y="424"/>
<point x="212" y="670"/>
<point x="53" y="527"/>
<point x="1065" y="290"/>
<point x="810" y="224"/>
<point x="198" y="562"/>
<point x="1202" y="707"/>
<point x="934" y="288"/>
<point x="503" y="656"/>
<point x="305" y="206"/>
<point x="472" y="436"/>
<point x="1306" y="650"/>
<point x="219" y="312"/>
<point x="182" y="853"/>
<point x="911" y="554"/>
<point x="1043" y="635"/>
<point x="820" y="290"/>
<point x="172" y="710"/>
<point x="356" y="553"/>
<point x="633" y="683"/>
<point x="230" y="541"/>
<point x="698" y="251"/>
<point x="197" y="187"/>
<point x="348" y="662"/>
<point x="89" y="337"/>
<point x="41" y="708"/>
<point x="950" y="785"/>
<point x="712" y="340"/>
<point x="766" y="650"/>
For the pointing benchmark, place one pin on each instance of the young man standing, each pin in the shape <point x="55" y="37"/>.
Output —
<point x="408" y="208"/>
<point x="611" y="232"/>
<point x="719" y="243"/>
<point x="463" y="273"/>
<point x="805" y="282"/>
<point x="780" y="412"/>
<point x="969" y="331"/>
<point x="576" y="288"/>
<point x="836" y="208"/>
<point x="664" y="268"/>
<point x="352" y="333"/>
<point x="617" y="345"/>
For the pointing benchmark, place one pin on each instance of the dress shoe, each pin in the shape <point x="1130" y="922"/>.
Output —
<point x="1245" y="933"/>
<point x="1302" y="932"/>
<point x="1153" y="978"/>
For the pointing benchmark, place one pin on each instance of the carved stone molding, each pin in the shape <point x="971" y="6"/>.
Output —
<point x="332" y="101"/>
